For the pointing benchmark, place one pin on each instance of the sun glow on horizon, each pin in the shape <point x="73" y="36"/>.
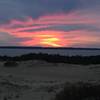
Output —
<point x="49" y="38"/>
<point x="58" y="30"/>
<point x="51" y="41"/>
<point x="44" y="39"/>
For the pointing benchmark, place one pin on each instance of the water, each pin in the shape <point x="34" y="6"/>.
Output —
<point x="69" y="52"/>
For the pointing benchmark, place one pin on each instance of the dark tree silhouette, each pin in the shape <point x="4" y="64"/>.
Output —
<point x="84" y="60"/>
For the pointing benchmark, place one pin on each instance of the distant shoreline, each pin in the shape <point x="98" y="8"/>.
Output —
<point x="15" y="51"/>
<point x="79" y="60"/>
<point x="29" y="47"/>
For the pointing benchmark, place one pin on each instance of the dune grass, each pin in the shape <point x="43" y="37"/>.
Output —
<point x="79" y="91"/>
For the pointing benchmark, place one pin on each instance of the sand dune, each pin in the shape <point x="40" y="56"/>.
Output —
<point x="39" y="80"/>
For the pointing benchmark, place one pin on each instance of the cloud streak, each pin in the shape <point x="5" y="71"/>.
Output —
<point x="50" y="23"/>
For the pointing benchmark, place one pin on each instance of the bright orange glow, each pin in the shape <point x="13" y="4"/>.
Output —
<point x="45" y="31"/>
<point x="46" y="38"/>
<point x="51" y="41"/>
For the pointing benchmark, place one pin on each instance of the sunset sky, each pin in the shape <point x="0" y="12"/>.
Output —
<point x="50" y="23"/>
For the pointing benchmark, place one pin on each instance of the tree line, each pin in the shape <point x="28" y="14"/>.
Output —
<point x="54" y="58"/>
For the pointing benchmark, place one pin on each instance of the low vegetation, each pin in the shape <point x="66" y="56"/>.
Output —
<point x="11" y="91"/>
<point x="10" y="64"/>
<point x="79" y="91"/>
<point x="84" y="60"/>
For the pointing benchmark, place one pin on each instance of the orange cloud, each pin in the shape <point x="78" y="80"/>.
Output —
<point x="46" y="38"/>
<point x="52" y="38"/>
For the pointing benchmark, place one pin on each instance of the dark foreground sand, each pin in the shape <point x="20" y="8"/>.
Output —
<point x="39" y="80"/>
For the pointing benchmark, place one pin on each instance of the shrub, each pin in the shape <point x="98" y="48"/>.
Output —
<point x="82" y="91"/>
<point x="10" y="64"/>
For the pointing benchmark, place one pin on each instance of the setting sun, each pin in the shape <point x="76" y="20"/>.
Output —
<point x="51" y="42"/>
<point x="51" y="39"/>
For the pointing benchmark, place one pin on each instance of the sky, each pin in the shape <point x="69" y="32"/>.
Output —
<point x="50" y="23"/>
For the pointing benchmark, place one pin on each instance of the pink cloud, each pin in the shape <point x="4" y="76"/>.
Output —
<point x="52" y="37"/>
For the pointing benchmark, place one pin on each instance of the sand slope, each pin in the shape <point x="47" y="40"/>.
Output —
<point x="39" y="80"/>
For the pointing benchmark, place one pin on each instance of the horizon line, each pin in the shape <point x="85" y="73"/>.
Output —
<point x="33" y="47"/>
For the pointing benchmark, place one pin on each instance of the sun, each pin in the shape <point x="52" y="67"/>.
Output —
<point x="51" y="42"/>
